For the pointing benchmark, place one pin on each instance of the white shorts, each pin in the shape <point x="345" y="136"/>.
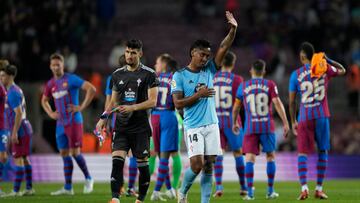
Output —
<point x="204" y="140"/>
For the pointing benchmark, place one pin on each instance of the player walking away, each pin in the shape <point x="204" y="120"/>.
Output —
<point x="193" y="91"/>
<point x="165" y="126"/>
<point x="135" y="91"/>
<point x="312" y="124"/>
<point x="20" y="129"/>
<point x="64" y="89"/>
<point x="132" y="160"/>
<point x="4" y="132"/>
<point x="257" y="96"/>
<point x="226" y="85"/>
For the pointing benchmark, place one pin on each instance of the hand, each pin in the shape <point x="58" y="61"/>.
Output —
<point x="54" y="115"/>
<point x="100" y="125"/>
<point x="236" y="128"/>
<point x="295" y="128"/>
<point x="125" y="109"/>
<point x="100" y="135"/>
<point x="231" y="20"/>
<point x="286" y="130"/>
<point x="71" y="108"/>
<point x="14" y="138"/>
<point x="206" y="92"/>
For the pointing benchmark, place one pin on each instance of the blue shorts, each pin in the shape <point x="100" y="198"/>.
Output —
<point x="252" y="143"/>
<point x="165" y="131"/>
<point x="227" y="137"/>
<point x="69" y="136"/>
<point x="4" y="139"/>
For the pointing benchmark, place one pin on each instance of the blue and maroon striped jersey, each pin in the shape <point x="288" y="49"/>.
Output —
<point x="164" y="100"/>
<point x="65" y="91"/>
<point x="225" y="85"/>
<point x="2" y="107"/>
<point x="312" y="91"/>
<point x="256" y="95"/>
<point x="15" y="98"/>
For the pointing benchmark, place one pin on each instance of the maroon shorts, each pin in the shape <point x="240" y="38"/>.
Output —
<point x="313" y="132"/>
<point x="252" y="143"/>
<point x="155" y="124"/>
<point x="74" y="133"/>
<point x="22" y="148"/>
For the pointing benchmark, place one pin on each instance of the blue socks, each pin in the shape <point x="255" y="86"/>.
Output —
<point x="249" y="174"/>
<point x="271" y="170"/>
<point x="206" y="187"/>
<point x="19" y="176"/>
<point x="218" y="167"/>
<point x="133" y="170"/>
<point x="68" y="171"/>
<point x="82" y="164"/>
<point x="302" y="169"/>
<point x="240" y="169"/>
<point x="189" y="178"/>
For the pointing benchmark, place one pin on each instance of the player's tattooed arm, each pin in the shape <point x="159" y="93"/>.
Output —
<point x="228" y="40"/>
<point x="180" y="101"/>
<point x="340" y="68"/>
<point x="235" y="114"/>
<point x="292" y="110"/>
<point x="47" y="108"/>
<point x="281" y="111"/>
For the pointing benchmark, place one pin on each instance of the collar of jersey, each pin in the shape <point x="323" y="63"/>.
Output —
<point x="138" y="68"/>
<point x="193" y="71"/>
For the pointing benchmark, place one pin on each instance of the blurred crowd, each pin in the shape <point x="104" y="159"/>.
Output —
<point x="30" y="30"/>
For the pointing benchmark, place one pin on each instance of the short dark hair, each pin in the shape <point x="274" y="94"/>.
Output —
<point x="57" y="56"/>
<point x="259" y="66"/>
<point x="134" y="44"/>
<point x="229" y="59"/>
<point x="9" y="70"/>
<point x="172" y="65"/>
<point x="3" y="63"/>
<point x="122" y="61"/>
<point x="200" y="44"/>
<point x="308" y="49"/>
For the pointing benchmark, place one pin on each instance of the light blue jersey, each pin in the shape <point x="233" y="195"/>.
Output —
<point x="203" y="112"/>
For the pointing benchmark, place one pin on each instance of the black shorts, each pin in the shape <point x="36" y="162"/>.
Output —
<point x="139" y="143"/>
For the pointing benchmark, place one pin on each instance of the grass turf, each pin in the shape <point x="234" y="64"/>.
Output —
<point x="337" y="190"/>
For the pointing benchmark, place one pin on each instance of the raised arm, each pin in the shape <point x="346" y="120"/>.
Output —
<point x="228" y="40"/>
<point x="281" y="111"/>
<point x="340" y="68"/>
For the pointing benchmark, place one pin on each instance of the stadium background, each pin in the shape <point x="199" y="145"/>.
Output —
<point x="91" y="35"/>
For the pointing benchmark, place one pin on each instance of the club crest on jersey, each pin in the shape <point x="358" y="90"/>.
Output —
<point x="65" y="84"/>
<point x="121" y="82"/>
<point x="138" y="82"/>
<point x="199" y="86"/>
<point x="173" y="84"/>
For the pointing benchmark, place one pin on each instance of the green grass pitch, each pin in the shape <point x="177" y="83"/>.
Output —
<point x="338" y="191"/>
